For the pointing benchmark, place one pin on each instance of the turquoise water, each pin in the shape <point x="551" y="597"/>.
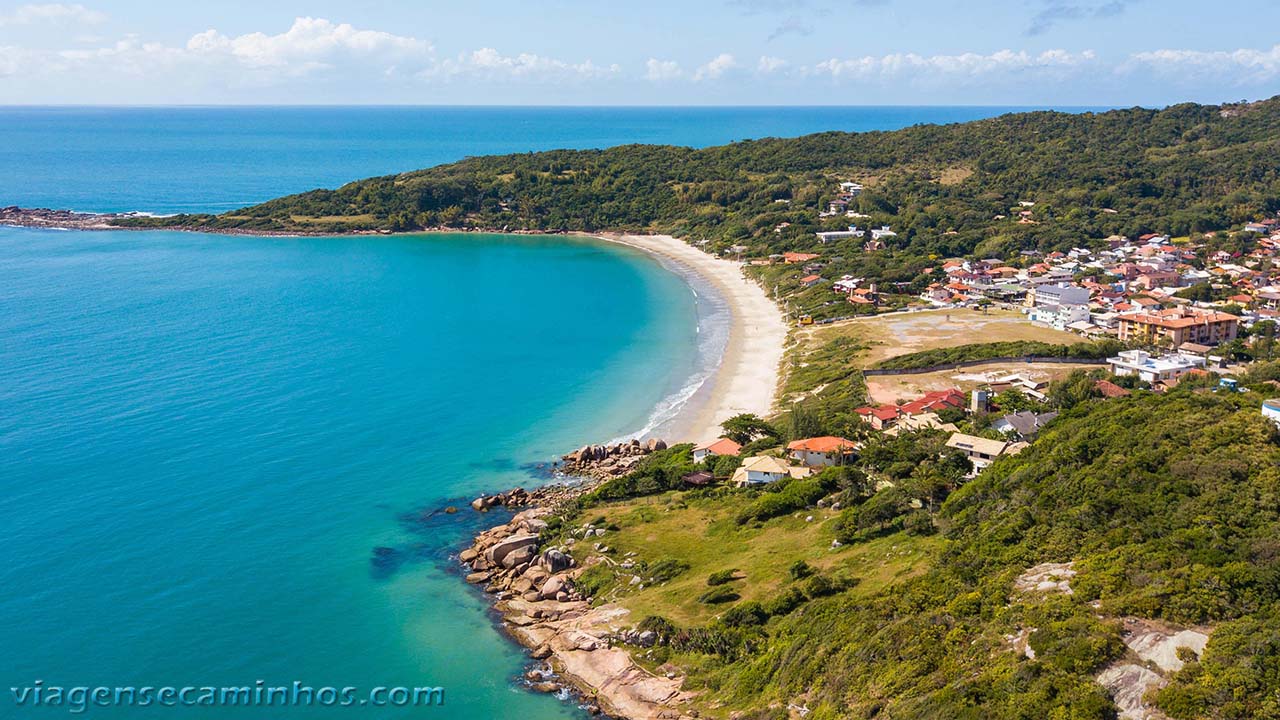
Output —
<point x="203" y="438"/>
<point x="168" y="160"/>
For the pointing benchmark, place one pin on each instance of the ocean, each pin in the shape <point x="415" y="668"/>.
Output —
<point x="225" y="460"/>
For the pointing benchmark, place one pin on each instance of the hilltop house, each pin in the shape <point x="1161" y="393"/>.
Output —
<point x="981" y="451"/>
<point x="723" y="446"/>
<point x="822" y="451"/>
<point x="1024" y="425"/>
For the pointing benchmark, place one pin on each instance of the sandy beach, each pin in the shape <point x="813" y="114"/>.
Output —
<point x="746" y="380"/>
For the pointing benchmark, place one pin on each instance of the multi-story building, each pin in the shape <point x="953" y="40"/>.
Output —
<point x="1171" y="328"/>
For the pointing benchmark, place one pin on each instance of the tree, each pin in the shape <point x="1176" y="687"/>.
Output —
<point x="746" y="427"/>
<point x="803" y="423"/>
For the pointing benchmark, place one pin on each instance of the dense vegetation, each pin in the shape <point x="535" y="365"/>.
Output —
<point x="986" y="351"/>
<point x="1186" y="169"/>
<point x="1169" y="505"/>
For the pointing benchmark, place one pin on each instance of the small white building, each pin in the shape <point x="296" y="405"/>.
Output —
<point x="764" y="469"/>
<point x="1152" y="369"/>
<point x="1059" y="317"/>
<point x="1271" y="410"/>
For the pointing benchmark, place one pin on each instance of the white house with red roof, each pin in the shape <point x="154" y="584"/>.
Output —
<point x="722" y="446"/>
<point x="822" y="451"/>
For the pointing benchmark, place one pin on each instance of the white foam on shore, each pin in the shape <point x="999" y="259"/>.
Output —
<point x="714" y="321"/>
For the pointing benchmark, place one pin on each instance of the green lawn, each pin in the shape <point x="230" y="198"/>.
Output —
<point x="703" y="533"/>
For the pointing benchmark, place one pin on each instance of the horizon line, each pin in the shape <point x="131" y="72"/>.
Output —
<point x="1049" y="106"/>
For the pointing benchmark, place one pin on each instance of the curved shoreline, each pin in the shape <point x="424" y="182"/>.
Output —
<point x="746" y="378"/>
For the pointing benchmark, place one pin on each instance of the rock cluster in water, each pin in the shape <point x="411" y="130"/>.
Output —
<point x="606" y="461"/>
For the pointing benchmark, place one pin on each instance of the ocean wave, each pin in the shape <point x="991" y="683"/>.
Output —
<point x="713" y="316"/>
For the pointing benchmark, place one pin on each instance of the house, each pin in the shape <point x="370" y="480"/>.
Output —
<point x="886" y="416"/>
<point x="822" y="451"/>
<point x="981" y="451"/>
<point x="810" y="280"/>
<point x="832" y="236"/>
<point x="924" y="421"/>
<point x="1025" y="425"/>
<point x="1152" y="369"/>
<point x="882" y="233"/>
<point x="933" y="402"/>
<point x="1110" y="389"/>
<point x="791" y="258"/>
<point x="723" y="446"/>
<point x="1171" y="328"/>
<point x="1059" y="317"/>
<point x="880" y="418"/>
<point x="1050" y="295"/>
<point x="763" y="469"/>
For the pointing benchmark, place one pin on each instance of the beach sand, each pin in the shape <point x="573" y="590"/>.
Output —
<point x="746" y="380"/>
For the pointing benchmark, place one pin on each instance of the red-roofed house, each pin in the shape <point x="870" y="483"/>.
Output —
<point x="792" y="258"/>
<point x="723" y="446"/>
<point x="880" y="418"/>
<point x="1110" y="389"/>
<point x="822" y="451"/>
<point x="810" y="280"/>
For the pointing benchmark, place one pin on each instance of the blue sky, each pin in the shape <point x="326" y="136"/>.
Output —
<point x="760" y="52"/>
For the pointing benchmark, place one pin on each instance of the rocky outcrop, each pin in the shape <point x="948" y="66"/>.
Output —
<point x="606" y="461"/>
<point x="61" y="219"/>
<point x="534" y="591"/>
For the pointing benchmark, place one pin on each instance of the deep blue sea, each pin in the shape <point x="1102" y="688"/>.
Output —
<point x="203" y="439"/>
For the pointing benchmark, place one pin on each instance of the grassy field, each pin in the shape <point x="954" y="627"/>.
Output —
<point x="826" y="360"/>
<point x="887" y="336"/>
<point x="703" y="533"/>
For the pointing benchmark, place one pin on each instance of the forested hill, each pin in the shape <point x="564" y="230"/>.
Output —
<point x="946" y="189"/>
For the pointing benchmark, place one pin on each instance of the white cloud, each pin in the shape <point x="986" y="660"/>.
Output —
<point x="966" y="65"/>
<point x="489" y="63"/>
<point x="718" y="66"/>
<point x="662" y="70"/>
<point x="56" y="13"/>
<point x="769" y="64"/>
<point x="1236" y="67"/>
<point x="13" y="60"/>
<point x="312" y="44"/>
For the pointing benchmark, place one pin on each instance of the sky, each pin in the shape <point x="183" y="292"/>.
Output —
<point x="654" y="52"/>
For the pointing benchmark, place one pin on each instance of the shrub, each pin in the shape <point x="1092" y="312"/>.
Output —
<point x="721" y="577"/>
<point x="666" y="569"/>
<point x="717" y="595"/>
<point x="594" y="580"/>
<point x="800" y="570"/>
<point x="744" y="615"/>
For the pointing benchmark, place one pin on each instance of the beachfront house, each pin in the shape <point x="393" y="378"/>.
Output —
<point x="822" y="451"/>
<point x="722" y="446"/>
